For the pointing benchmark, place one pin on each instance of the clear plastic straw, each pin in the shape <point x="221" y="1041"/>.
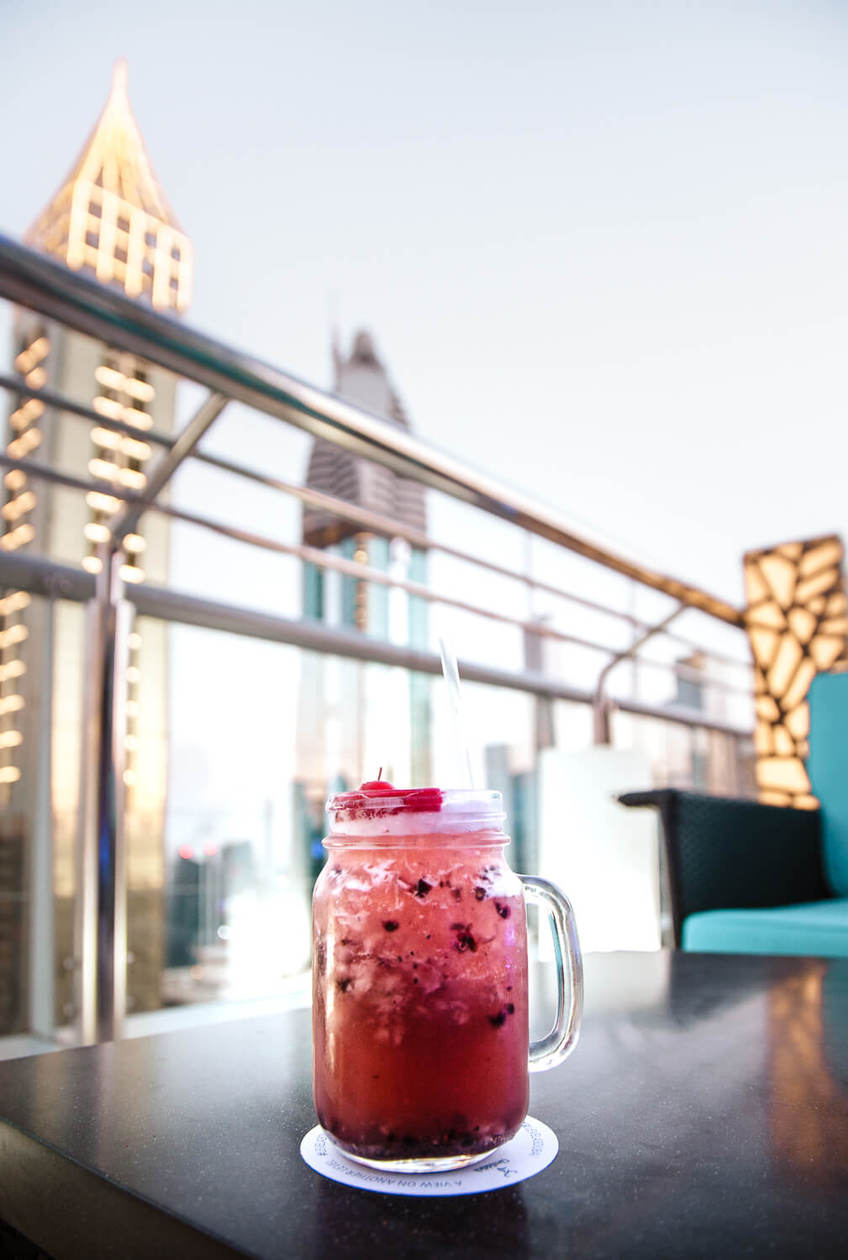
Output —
<point x="450" y="669"/>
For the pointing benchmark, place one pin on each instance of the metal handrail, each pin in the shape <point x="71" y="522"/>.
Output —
<point x="373" y="521"/>
<point x="46" y="286"/>
<point x="52" y="579"/>
<point x="136" y="503"/>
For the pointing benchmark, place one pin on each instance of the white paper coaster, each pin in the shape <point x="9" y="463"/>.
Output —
<point x="532" y="1149"/>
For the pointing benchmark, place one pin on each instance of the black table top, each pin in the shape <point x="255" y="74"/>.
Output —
<point x="704" y="1113"/>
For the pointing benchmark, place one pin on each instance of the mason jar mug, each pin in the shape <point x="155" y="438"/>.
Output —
<point x="420" y="984"/>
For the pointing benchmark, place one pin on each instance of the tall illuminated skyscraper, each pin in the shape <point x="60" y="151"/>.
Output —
<point x="111" y="221"/>
<point x="354" y="718"/>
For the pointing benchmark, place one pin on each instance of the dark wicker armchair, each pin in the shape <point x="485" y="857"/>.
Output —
<point x="736" y="854"/>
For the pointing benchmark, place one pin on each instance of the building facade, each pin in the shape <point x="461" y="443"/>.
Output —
<point x="110" y="220"/>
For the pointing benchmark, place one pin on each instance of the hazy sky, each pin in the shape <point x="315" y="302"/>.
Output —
<point x="601" y="245"/>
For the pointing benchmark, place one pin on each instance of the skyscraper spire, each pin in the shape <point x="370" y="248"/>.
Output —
<point x="120" y="75"/>
<point x="362" y="378"/>
<point x="111" y="217"/>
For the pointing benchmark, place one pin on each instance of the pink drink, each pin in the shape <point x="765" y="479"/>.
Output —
<point x="420" y="981"/>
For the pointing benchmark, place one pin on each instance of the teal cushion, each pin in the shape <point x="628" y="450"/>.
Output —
<point x="813" y="928"/>
<point x="828" y="769"/>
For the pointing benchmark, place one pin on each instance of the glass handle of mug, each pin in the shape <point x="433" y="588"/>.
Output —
<point x="561" y="1040"/>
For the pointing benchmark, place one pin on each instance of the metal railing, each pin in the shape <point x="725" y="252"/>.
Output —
<point x="88" y="307"/>
<point x="35" y="282"/>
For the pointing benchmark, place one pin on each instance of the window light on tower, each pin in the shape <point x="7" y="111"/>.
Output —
<point x="16" y="531"/>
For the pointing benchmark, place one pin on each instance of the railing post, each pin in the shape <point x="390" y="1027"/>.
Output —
<point x="101" y="890"/>
<point x="42" y="988"/>
<point x="601" y="713"/>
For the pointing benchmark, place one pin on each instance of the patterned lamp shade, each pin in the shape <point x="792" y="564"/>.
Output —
<point x="797" y="624"/>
